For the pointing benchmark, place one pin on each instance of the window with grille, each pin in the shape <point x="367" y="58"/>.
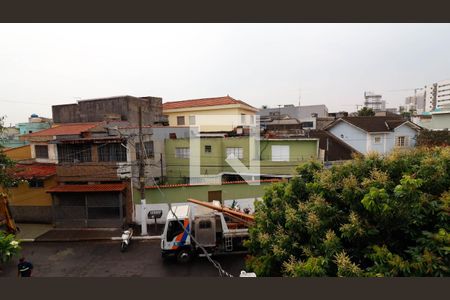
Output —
<point x="148" y="150"/>
<point x="74" y="153"/>
<point x="182" y="152"/>
<point x="235" y="153"/>
<point x="112" y="152"/>
<point x="180" y="120"/>
<point x="208" y="149"/>
<point x="191" y="120"/>
<point x="401" y="141"/>
<point x="41" y="151"/>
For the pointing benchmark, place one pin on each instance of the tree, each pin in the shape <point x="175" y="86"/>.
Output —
<point x="8" y="245"/>
<point x="366" y="112"/>
<point x="373" y="216"/>
<point x="433" y="138"/>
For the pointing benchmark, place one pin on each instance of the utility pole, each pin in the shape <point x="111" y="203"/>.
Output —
<point x="162" y="171"/>
<point x="142" y="177"/>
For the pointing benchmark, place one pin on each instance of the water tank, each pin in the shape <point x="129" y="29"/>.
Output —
<point x="34" y="116"/>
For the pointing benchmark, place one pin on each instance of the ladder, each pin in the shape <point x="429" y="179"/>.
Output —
<point x="228" y="243"/>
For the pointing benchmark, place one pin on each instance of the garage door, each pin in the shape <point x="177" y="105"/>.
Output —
<point x="96" y="210"/>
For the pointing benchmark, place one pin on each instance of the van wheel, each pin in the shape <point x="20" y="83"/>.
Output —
<point x="184" y="256"/>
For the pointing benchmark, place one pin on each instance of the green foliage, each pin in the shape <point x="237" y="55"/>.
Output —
<point x="433" y="138"/>
<point x="366" y="112"/>
<point x="9" y="247"/>
<point x="374" y="216"/>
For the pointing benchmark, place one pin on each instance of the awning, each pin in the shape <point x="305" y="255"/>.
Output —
<point x="87" y="188"/>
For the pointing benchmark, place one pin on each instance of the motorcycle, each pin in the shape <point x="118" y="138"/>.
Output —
<point x="126" y="239"/>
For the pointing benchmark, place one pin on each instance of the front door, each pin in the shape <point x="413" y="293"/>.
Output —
<point x="215" y="195"/>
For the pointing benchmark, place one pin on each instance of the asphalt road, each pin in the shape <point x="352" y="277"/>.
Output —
<point x="104" y="259"/>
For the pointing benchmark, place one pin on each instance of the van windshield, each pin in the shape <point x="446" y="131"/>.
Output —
<point x="174" y="228"/>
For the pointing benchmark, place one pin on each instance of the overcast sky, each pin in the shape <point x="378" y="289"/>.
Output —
<point x="262" y="64"/>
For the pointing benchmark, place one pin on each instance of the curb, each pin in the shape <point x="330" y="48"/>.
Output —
<point x="154" y="237"/>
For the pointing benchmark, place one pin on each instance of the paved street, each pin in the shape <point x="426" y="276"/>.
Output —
<point x="104" y="259"/>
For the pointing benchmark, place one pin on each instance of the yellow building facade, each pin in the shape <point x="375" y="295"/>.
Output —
<point x="210" y="114"/>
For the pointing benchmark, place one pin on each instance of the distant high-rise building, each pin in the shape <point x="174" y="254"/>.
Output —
<point x="374" y="101"/>
<point x="443" y="93"/>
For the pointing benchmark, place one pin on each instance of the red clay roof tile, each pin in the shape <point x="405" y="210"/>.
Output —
<point x="89" y="188"/>
<point x="34" y="171"/>
<point x="65" y="129"/>
<point x="227" y="100"/>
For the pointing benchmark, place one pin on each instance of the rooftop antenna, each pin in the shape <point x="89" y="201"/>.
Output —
<point x="299" y="95"/>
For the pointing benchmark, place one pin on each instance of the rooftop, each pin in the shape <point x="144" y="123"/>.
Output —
<point x="226" y="100"/>
<point x="88" y="188"/>
<point x="34" y="171"/>
<point x="64" y="129"/>
<point x="373" y="124"/>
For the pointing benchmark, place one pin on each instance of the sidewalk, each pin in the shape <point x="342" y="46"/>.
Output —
<point x="46" y="233"/>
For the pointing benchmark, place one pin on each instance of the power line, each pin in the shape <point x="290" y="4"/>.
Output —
<point x="216" y="264"/>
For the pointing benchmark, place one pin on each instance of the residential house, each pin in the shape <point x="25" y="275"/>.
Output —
<point x="210" y="114"/>
<point x="97" y="166"/>
<point x="379" y="134"/>
<point x="28" y="199"/>
<point x="35" y="123"/>
<point x="278" y="157"/>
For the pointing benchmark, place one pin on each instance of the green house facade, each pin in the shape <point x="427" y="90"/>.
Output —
<point x="277" y="157"/>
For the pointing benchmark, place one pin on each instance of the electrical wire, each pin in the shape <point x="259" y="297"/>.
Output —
<point x="216" y="264"/>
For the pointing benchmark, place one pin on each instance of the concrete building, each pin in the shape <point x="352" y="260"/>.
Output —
<point x="210" y="114"/>
<point x="306" y="114"/>
<point x="120" y="108"/>
<point x="34" y="124"/>
<point x="443" y="94"/>
<point x="10" y="136"/>
<point x="374" y="101"/>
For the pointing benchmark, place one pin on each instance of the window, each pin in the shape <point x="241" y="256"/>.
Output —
<point x="148" y="150"/>
<point x="191" y="120"/>
<point x="377" y="139"/>
<point x="401" y="141"/>
<point x="174" y="228"/>
<point x="204" y="224"/>
<point x="112" y="152"/>
<point x="182" y="152"/>
<point x="235" y="153"/>
<point x="243" y="118"/>
<point x="208" y="149"/>
<point x="74" y="153"/>
<point x="180" y="120"/>
<point x="280" y="153"/>
<point x="41" y="151"/>
<point x="34" y="183"/>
